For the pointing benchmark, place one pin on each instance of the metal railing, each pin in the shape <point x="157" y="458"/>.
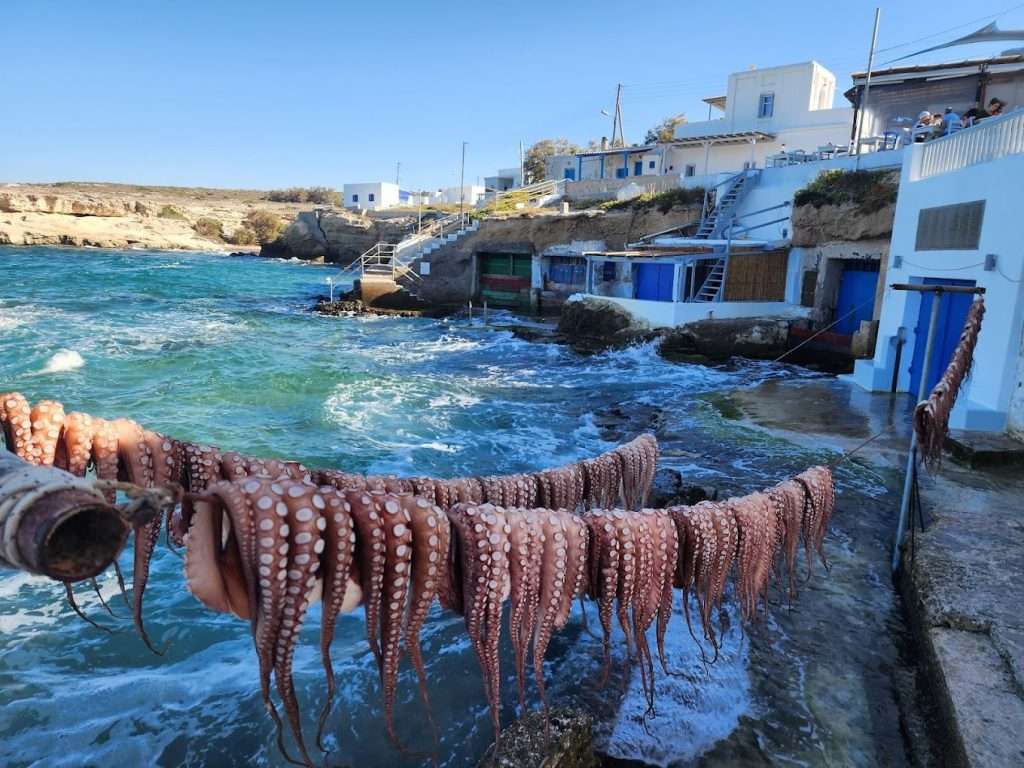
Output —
<point x="389" y="259"/>
<point x="532" y="193"/>
<point x="991" y="139"/>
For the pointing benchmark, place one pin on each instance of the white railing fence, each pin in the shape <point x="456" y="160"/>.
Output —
<point x="991" y="139"/>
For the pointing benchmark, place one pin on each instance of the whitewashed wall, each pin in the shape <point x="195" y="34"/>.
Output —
<point x="986" y="397"/>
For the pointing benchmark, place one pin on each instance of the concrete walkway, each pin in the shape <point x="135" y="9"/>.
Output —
<point x="962" y="589"/>
<point x="963" y="578"/>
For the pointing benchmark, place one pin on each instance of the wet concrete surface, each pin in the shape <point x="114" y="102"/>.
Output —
<point x="960" y="584"/>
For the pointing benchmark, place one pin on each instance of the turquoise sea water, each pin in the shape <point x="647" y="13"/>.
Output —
<point x="226" y="351"/>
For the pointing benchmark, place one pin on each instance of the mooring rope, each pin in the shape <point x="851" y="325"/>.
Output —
<point x="813" y="336"/>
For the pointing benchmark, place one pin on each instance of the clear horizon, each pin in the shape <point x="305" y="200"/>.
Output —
<point x="255" y="95"/>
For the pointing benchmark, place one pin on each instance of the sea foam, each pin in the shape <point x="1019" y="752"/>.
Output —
<point x="63" y="360"/>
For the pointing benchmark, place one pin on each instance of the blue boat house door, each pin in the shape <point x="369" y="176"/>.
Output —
<point x="654" y="281"/>
<point x="952" y="313"/>
<point x="638" y="168"/>
<point x="857" y="286"/>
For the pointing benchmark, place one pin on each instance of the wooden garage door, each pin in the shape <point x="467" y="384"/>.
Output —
<point x="505" y="279"/>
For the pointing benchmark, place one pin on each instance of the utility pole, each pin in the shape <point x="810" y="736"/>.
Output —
<point x="522" y="166"/>
<point x="863" y="102"/>
<point x="398" y="172"/>
<point x="462" y="186"/>
<point x="617" y="120"/>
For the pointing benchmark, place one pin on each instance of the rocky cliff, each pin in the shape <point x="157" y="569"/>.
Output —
<point x="337" y="236"/>
<point x="126" y="216"/>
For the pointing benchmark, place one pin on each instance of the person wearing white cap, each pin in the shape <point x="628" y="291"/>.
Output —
<point x="923" y="126"/>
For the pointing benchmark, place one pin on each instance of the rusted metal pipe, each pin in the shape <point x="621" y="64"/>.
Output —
<point x="55" y="524"/>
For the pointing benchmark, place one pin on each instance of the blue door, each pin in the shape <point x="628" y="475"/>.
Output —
<point x="638" y="168"/>
<point x="570" y="174"/>
<point x="857" y="295"/>
<point x="952" y="313"/>
<point x="654" y="282"/>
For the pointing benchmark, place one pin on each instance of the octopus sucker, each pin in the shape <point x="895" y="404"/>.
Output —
<point x="74" y="448"/>
<point x="16" y="422"/>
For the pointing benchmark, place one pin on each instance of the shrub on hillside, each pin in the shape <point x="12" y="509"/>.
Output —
<point x="315" y="195"/>
<point x="266" y="226"/>
<point x="870" y="191"/>
<point x="242" y="236"/>
<point x="207" y="227"/>
<point x="170" y="212"/>
<point x="663" y="201"/>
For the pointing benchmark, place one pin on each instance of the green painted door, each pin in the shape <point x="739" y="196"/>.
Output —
<point x="505" y="279"/>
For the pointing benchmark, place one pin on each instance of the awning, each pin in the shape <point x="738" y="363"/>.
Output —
<point x="739" y="137"/>
<point x="616" y="151"/>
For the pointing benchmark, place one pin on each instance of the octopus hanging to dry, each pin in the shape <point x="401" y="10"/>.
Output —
<point x="265" y="539"/>
<point x="931" y="417"/>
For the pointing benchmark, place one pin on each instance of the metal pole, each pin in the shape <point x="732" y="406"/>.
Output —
<point x="922" y="390"/>
<point x="485" y="311"/>
<point x="470" y="309"/>
<point x="862" y="103"/>
<point x="398" y="173"/>
<point x="462" y="187"/>
<point x="522" y="166"/>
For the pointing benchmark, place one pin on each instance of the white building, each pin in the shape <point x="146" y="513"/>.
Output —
<point x="764" y="112"/>
<point x="374" y="196"/>
<point x="504" y="180"/>
<point x="471" y="194"/>
<point x="958" y="222"/>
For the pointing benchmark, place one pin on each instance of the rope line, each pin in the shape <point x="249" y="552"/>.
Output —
<point x="823" y="330"/>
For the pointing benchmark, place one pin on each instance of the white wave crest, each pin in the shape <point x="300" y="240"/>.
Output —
<point x="63" y="360"/>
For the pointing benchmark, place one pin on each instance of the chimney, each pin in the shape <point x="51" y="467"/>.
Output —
<point x="604" y="142"/>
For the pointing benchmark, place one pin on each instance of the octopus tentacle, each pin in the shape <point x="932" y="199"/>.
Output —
<point x="557" y="579"/>
<point x="74" y="448"/>
<point x="398" y="552"/>
<point x="305" y="545"/>
<point x="430" y="547"/>
<point x="340" y="592"/>
<point x="47" y="419"/>
<point x="16" y="424"/>
<point x="370" y="562"/>
<point x="526" y="540"/>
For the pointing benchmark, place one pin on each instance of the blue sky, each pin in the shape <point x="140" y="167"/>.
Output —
<point x="255" y="94"/>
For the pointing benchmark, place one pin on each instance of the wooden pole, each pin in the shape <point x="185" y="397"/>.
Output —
<point x="53" y="524"/>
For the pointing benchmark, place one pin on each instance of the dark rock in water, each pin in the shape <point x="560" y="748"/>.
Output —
<point x="718" y="340"/>
<point x="594" y="324"/>
<point x="618" y="425"/>
<point x="669" y="490"/>
<point x="523" y="744"/>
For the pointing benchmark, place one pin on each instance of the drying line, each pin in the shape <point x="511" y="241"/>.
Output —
<point x="818" y="333"/>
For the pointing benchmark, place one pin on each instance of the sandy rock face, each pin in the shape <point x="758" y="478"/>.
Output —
<point x="77" y="205"/>
<point x="831" y="223"/>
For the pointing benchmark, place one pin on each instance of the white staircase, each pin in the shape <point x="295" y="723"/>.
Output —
<point x="711" y="288"/>
<point x="394" y="260"/>
<point x="714" y="221"/>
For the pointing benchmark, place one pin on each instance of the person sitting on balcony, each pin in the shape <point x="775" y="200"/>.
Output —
<point x="923" y="126"/>
<point x="977" y="112"/>
<point x="949" y="122"/>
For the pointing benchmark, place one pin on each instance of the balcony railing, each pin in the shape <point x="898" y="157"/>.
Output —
<point x="993" y="138"/>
